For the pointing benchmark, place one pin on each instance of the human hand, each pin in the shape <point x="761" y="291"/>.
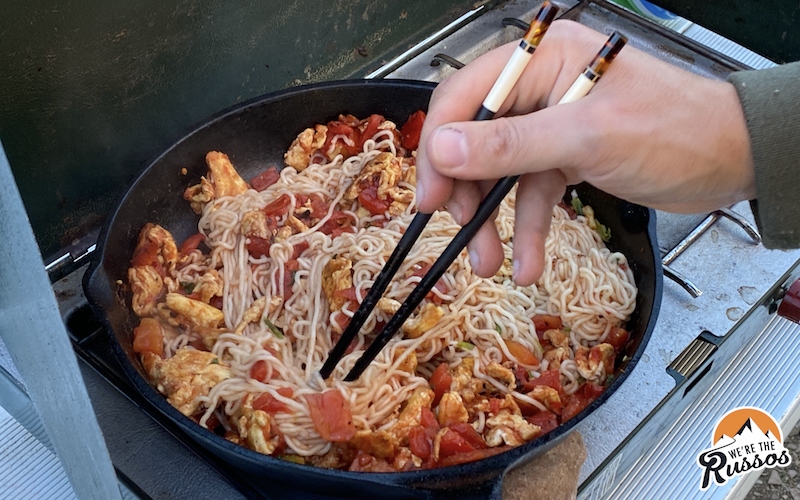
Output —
<point x="648" y="132"/>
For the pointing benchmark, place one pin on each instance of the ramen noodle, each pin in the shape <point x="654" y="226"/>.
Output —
<point x="233" y="334"/>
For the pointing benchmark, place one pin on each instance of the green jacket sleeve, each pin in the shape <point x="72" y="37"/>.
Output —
<point x="771" y="102"/>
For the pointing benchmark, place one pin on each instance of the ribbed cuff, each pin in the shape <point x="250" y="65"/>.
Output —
<point x="771" y="102"/>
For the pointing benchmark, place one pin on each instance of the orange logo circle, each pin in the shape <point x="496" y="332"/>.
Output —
<point x="734" y="422"/>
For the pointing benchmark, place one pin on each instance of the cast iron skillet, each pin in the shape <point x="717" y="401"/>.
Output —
<point x="255" y="135"/>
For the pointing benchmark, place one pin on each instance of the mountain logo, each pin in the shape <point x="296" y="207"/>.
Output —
<point x="745" y="439"/>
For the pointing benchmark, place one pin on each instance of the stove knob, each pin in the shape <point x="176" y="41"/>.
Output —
<point x="790" y="305"/>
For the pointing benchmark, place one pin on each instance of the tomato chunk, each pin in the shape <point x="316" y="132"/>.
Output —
<point x="469" y="434"/>
<point x="259" y="247"/>
<point x="544" y="322"/>
<point x="419" y="440"/>
<point x="440" y="382"/>
<point x="331" y="415"/>
<point x="574" y="405"/>
<point x="550" y="378"/>
<point x="191" y="243"/>
<point x="618" y="337"/>
<point x="471" y="456"/>
<point x="269" y="404"/>
<point x="547" y="420"/>
<point x="298" y="249"/>
<point x="279" y="207"/>
<point x="373" y="122"/>
<point x="522" y="353"/>
<point x="428" y="420"/>
<point x="591" y="391"/>
<point x="259" y="371"/>
<point x="148" y="337"/>
<point x="459" y="439"/>
<point x="265" y="179"/>
<point x="411" y="130"/>
<point x="347" y="293"/>
<point x="289" y="270"/>
<point x="369" y="200"/>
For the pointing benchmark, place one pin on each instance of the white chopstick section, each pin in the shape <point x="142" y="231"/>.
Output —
<point x="580" y="88"/>
<point x="509" y="76"/>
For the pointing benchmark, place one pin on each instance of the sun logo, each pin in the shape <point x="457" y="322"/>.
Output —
<point x="745" y="439"/>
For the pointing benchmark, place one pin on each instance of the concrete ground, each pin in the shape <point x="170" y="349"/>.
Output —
<point x="781" y="483"/>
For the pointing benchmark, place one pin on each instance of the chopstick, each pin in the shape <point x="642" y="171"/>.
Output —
<point x="582" y="85"/>
<point x="497" y="95"/>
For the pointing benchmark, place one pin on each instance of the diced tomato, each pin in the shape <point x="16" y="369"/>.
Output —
<point x="570" y="211"/>
<point x="544" y="322"/>
<point x="618" y="337"/>
<point x="289" y="268"/>
<point x="547" y="420"/>
<point x="265" y="179"/>
<point x="574" y="405"/>
<point x="471" y="456"/>
<point x="428" y="420"/>
<point x="460" y="438"/>
<point x="419" y="440"/>
<point x="522" y="353"/>
<point x="216" y="301"/>
<point x="550" y="378"/>
<point x="331" y="415"/>
<point x="347" y="294"/>
<point x="269" y="404"/>
<point x="259" y="371"/>
<point x="319" y="207"/>
<point x="339" y="128"/>
<point x="341" y="230"/>
<point x="411" y="130"/>
<point x="440" y="285"/>
<point x="191" y="243"/>
<point x="198" y="344"/>
<point x="300" y="200"/>
<point x="286" y="392"/>
<point x="298" y="249"/>
<point x="279" y="207"/>
<point x="259" y="247"/>
<point x="369" y="200"/>
<point x="146" y="254"/>
<point x="336" y="221"/>
<point x="373" y="122"/>
<point x="365" y="462"/>
<point x="148" y="337"/>
<point x="440" y="382"/>
<point x="591" y="391"/>
<point x="494" y="405"/>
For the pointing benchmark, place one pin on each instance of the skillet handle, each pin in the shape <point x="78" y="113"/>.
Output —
<point x="489" y="490"/>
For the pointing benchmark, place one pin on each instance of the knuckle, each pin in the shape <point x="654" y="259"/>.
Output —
<point x="504" y="142"/>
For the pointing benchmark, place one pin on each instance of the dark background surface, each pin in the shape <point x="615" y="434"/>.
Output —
<point x="90" y="90"/>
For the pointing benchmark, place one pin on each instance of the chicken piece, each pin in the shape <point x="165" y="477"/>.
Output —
<point x="555" y="357"/>
<point x="387" y="305"/>
<point x="199" y="195"/>
<point x="558" y="338"/>
<point x="340" y="456"/>
<point x="196" y="312"/>
<point x="185" y="376"/>
<point x="309" y="140"/>
<point x="409" y="364"/>
<point x="510" y="429"/>
<point x="223" y="176"/>
<point x="502" y="374"/>
<point x="256" y="428"/>
<point x="595" y="364"/>
<point x="147" y="287"/>
<point x="252" y="315"/>
<point x="547" y="396"/>
<point x="379" y="444"/>
<point x="337" y="275"/>
<point x="452" y="409"/>
<point x="384" y="168"/>
<point x="423" y="321"/>
<point x="410" y="416"/>
<point x="254" y="224"/>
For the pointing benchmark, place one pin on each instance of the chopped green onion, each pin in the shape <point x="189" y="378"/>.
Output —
<point x="297" y="459"/>
<point x="215" y="361"/>
<point x="277" y="331"/>
<point x="188" y="286"/>
<point x="604" y="232"/>
<point x="581" y="380"/>
<point x="466" y="346"/>
<point x="497" y="327"/>
<point x="567" y="329"/>
<point x="577" y="205"/>
<point x="610" y="379"/>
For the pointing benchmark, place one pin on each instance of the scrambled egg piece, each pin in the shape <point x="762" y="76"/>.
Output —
<point x="465" y="384"/>
<point x="560" y="351"/>
<point x="253" y="314"/>
<point x="502" y="374"/>
<point x="185" y="376"/>
<point x="409" y="364"/>
<point x="223" y="180"/>
<point x="452" y="409"/>
<point x="147" y="287"/>
<point x="256" y="428"/>
<point x="198" y="313"/>
<point x="510" y="429"/>
<point x="337" y="275"/>
<point x="299" y="154"/>
<point x="387" y="305"/>
<point x="410" y="416"/>
<point x="597" y="364"/>
<point x="379" y="444"/>
<point x="386" y="170"/>
<point x="424" y="321"/>
<point x="547" y="396"/>
<point x="558" y="338"/>
<point x="254" y="224"/>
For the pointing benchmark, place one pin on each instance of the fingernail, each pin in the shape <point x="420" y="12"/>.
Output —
<point x="514" y="270"/>
<point x="419" y="194"/>
<point x="455" y="210"/>
<point x="474" y="259"/>
<point x="449" y="149"/>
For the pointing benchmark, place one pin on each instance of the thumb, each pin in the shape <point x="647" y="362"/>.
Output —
<point x="555" y="137"/>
